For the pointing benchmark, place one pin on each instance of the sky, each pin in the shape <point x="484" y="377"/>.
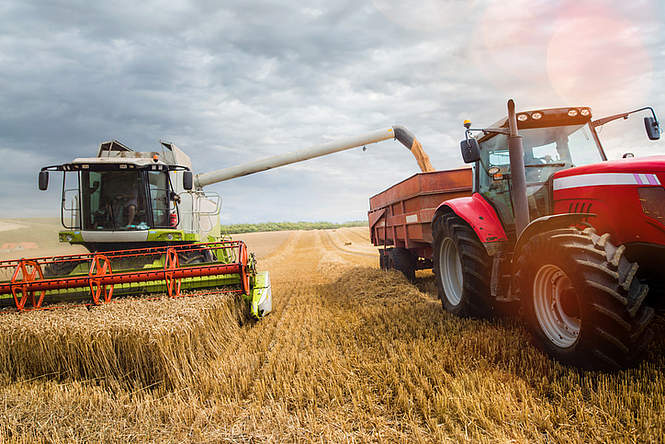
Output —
<point x="230" y="82"/>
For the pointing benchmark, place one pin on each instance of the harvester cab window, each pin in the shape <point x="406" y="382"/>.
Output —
<point x="159" y="198"/>
<point x="113" y="200"/>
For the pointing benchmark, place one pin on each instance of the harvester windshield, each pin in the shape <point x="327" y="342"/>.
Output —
<point x="111" y="200"/>
<point x="116" y="200"/>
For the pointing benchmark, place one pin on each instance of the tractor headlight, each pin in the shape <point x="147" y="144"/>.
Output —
<point x="653" y="202"/>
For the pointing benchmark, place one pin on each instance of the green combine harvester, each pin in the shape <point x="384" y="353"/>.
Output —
<point x="151" y="228"/>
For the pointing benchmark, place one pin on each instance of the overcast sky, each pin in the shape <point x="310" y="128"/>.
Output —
<point x="230" y="82"/>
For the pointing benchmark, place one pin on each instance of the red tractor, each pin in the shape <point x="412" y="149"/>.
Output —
<point x="577" y="240"/>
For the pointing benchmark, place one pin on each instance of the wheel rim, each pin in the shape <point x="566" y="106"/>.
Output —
<point x="450" y="269"/>
<point x="551" y="286"/>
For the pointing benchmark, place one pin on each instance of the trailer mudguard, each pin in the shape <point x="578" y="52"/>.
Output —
<point x="480" y="216"/>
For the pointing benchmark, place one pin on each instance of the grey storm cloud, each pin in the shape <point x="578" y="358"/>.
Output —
<point x="230" y="82"/>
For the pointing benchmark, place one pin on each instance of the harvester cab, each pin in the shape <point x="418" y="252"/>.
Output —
<point x="575" y="240"/>
<point x="127" y="199"/>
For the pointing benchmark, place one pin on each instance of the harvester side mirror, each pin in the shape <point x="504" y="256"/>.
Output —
<point x="652" y="127"/>
<point x="43" y="180"/>
<point x="187" y="180"/>
<point x="470" y="150"/>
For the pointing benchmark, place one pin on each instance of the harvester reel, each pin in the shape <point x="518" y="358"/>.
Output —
<point x="100" y="267"/>
<point x="170" y="264"/>
<point x="26" y="271"/>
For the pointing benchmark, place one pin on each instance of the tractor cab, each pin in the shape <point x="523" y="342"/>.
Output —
<point x="553" y="139"/>
<point x="120" y="194"/>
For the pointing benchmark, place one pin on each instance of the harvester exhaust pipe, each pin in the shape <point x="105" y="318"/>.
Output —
<point x="517" y="171"/>
<point x="398" y="132"/>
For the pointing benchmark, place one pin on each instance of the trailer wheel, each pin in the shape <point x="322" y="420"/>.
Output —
<point x="582" y="300"/>
<point x="403" y="260"/>
<point x="462" y="268"/>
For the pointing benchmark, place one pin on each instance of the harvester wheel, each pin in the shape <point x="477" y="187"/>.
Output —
<point x="462" y="268"/>
<point x="403" y="260"/>
<point x="582" y="300"/>
<point x="100" y="266"/>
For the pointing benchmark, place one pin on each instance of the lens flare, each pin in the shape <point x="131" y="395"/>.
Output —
<point x="598" y="59"/>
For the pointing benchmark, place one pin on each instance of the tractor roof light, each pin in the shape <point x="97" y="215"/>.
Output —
<point x="572" y="112"/>
<point x="522" y="117"/>
<point x="585" y="112"/>
<point x="537" y="115"/>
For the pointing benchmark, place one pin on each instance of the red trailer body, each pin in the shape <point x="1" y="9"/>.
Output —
<point x="401" y="216"/>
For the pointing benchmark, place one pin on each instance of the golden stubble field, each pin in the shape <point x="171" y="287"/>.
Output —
<point x="350" y="354"/>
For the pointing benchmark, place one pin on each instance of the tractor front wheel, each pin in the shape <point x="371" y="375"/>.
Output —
<point x="462" y="268"/>
<point x="582" y="300"/>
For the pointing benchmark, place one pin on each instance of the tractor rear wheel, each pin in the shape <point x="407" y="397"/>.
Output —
<point x="403" y="260"/>
<point x="462" y="268"/>
<point x="582" y="300"/>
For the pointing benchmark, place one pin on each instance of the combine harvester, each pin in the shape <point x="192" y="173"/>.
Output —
<point x="545" y="221"/>
<point x="150" y="227"/>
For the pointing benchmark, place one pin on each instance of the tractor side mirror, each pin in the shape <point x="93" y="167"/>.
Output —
<point x="470" y="150"/>
<point x="43" y="180"/>
<point x="652" y="127"/>
<point x="187" y="180"/>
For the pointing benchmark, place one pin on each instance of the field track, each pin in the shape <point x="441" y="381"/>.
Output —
<point x="351" y="354"/>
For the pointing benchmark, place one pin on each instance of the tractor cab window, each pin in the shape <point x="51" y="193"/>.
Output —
<point x="546" y="151"/>
<point x="113" y="200"/>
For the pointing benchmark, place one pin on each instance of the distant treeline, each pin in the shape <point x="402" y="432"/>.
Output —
<point x="283" y="226"/>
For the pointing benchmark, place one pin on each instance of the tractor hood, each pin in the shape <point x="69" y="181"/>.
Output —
<point x="649" y="171"/>
<point x="638" y="165"/>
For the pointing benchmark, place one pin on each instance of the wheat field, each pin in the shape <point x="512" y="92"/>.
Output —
<point x="350" y="354"/>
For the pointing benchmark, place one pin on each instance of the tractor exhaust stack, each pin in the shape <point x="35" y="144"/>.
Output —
<point x="517" y="171"/>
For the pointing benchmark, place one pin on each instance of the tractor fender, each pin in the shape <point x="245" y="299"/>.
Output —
<point x="547" y="223"/>
<point x="480" y="216"/>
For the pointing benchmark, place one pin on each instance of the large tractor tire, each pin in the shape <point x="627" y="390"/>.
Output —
<point x="403" y="260"/>
<point x="462" y="268"/>
<point x="582" y="300"/>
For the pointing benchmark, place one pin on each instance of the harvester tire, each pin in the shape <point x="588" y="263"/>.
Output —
<point x="462" y="268"/>
<point x="582" y="299"/>
<point x="403" y="260"/>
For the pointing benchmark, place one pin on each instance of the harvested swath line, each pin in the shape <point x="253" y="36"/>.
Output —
<point x="133" y="342"/>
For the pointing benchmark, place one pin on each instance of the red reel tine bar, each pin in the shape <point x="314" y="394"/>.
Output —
<point x="30" y="282"/>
